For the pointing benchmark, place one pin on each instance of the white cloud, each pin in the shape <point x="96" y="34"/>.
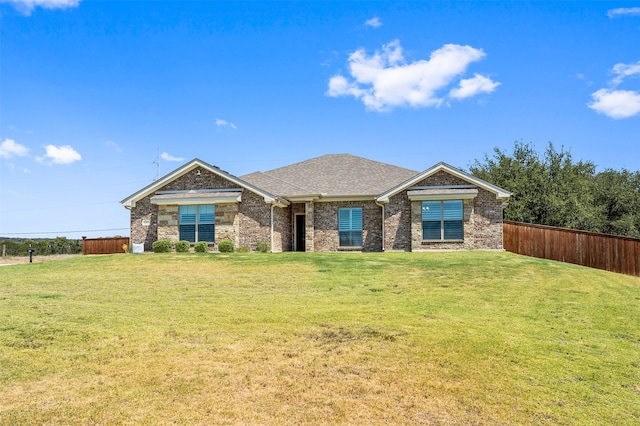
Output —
<point x="473" y="86"/>
<point x="9" y="148"/>
<point x="114" y="146"/>
<point x="166" y="157"/>
<point x="27" y="6"/>
<point x="622" y="11"/>
<point x="616" y="103"/>
<point x="623" y="71"/>
<point x="224" y="123"/>
<point x="60" y="154"/>
<point x="582" y="77"/>
<point x="374" y="22"/>
<point x="384" y="80"/>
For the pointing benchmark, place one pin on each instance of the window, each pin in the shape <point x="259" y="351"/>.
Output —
<point x="197" y="223"/>
<point x="442" y="220"/>
<point x="350" y="227"/>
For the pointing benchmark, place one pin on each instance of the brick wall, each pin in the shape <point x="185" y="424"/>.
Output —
<point x="244" y="223"/>
<point x="168" y="223"/>
<point x="397" y="223"/>
<point x="191" y="180"/>
<point x="482" y="220"/>
<point x="227" y="222"/>
<point x="310" y="230"/>
<point x="255" y="221"/>
<point x="486" y="221"/>
<point x="144" y="223"/>
<point x="282" y="229"/>
<point x="326" y="225"/>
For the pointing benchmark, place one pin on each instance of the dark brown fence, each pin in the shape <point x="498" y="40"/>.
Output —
<point x="616" y="254"/>
<point x="104" y="245"/>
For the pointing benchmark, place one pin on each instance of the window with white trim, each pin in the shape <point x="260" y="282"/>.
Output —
<point x="442" y="220"/>
<point x="197" y="223"/>
<point x="350" y="227"/>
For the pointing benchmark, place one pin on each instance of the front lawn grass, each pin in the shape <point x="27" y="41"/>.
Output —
<point x="296" y="338"/>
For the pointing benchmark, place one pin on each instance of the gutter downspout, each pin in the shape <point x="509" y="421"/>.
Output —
<point x="272" y="206"/>
<point x="382" y="206"/>
<point x="505" y="203"/>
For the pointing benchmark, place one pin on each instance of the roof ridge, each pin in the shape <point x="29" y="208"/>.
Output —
<point x="297" y="163"/>
<point x="343" y="155"/>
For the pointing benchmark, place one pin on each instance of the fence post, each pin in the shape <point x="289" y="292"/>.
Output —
<point x="84" y="245"/>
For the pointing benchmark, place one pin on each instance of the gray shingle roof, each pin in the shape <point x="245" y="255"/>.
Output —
<point x="331" y="175"/>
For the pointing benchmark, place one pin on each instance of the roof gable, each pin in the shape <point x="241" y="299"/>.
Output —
<point x="130" y="201"/>
<point x="330" y="176"/>
<point x="499" y="192"/>
<point x="333" y="175"/>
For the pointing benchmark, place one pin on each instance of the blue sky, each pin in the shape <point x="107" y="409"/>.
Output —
<point x="97" y="98"/>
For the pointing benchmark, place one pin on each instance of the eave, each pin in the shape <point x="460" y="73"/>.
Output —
<point x="131" y="200"/>
<point x="323" y="198"/>
<point x="454" y="192"/>
<point x="197" y="197"/>
<point x="500" y="193"/>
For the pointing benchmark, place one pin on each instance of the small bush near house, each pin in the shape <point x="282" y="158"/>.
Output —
<point x="201" y="247"/>
<point x="225" y="246"/>
<point x="262" y="247"/>
<point x="162" y="246"/>
<point x="243" y="249"/>
<point x="182" y="246"/>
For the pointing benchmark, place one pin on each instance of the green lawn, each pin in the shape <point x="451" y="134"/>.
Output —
<point x="295" y="338"/>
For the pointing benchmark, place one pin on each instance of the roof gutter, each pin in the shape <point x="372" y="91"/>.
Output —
<point x="304" y="198"/>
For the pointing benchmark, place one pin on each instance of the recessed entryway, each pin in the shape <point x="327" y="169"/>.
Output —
<point x="299" y="232"/>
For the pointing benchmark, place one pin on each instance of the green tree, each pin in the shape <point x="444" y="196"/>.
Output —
<point x="617" y="199"/>
<point x="552" y="190"/>
<point x="569" y="191"/>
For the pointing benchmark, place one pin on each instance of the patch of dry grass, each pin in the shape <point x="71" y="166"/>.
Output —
<point x="18" y="260"/>
<point x="436" y="338"/>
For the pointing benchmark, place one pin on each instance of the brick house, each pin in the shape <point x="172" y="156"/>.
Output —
<point x="330" y="203"/>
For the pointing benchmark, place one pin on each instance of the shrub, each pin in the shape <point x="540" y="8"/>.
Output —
<point x="201" y="247"/>
<point x="243" y="249"/>
<point x="262" y="247"/>
<point x="182" y="246"/>
<point x="225" y="246"/>
<point x="42" y="247"/>
<point x="162" y="246"/>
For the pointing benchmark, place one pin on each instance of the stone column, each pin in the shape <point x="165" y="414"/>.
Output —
<point x="416" y="225"/>
<point x="309" y="227"/>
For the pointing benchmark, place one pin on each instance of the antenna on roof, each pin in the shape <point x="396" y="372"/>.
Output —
<point x="157" y="163"/>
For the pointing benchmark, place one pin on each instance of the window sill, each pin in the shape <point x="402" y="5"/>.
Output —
<point x="354" y="248"/>
<point x="425" y="242"/>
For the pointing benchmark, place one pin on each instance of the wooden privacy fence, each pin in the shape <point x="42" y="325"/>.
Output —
<point x="602" y="251"/>
<point x="104" y="245"/>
